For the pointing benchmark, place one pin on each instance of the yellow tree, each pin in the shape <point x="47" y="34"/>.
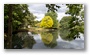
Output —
<point x="46" y="22"/>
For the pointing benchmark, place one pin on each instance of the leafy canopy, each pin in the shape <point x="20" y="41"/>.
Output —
<point x="21" y="16"/>
<point x="75" y="26"/>
<point x="46" y="22"/>
<point x="54" y="16"/>
<point x="52" y="7"/>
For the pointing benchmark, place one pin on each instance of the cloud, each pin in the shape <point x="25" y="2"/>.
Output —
<point x="61" y="15"/>
<point x="63" y="8"/>
<point x="39" y="10"/>
<point x="39" y="16"/>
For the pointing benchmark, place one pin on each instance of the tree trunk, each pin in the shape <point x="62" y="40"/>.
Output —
<point x="9" y="44"/>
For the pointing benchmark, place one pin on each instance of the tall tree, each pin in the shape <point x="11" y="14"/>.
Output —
<point x="10" y="7"/>
<point x="74" y="11"/>
<point x="16" y="16"/>
<point x="21" y="16"/>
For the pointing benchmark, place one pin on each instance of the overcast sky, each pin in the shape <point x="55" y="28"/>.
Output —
<point x="39" y="10"/>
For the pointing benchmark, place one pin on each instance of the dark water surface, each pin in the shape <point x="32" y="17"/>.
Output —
<point x="46" y="40"/>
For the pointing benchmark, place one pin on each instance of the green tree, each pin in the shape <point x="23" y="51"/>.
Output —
<point x="64" y="22"/>
<point x="10" y="7"/>
<point x="64" y="28"/>
<point x="82" y="15"/>
<point x="16" y="16"/>
<point x="21" y="17"/>
<point x="75" y="22"/>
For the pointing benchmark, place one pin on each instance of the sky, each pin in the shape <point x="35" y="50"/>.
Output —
<point x="39" y="10"/>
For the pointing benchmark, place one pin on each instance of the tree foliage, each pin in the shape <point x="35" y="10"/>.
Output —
<point x="21" y="17"/>
<point x="75" y="22"/>
<point x="46" y="22"/>
<point x="52" y="7"/>
<point x="54" y="16"/>
<point x="16" y="16"/>
<point x="82" y="15"/>
<point x="64" y="31"/>
<point x="74" y="9"/>
<point x="64" y="22"/>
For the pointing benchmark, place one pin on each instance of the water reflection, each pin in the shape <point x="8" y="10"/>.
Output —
<point x="64" y="34"/>
<point x="57" y="39"/>
<point x="67" y="35"/>
<point x="22" y="40"/>
<point x="49" y="38"/>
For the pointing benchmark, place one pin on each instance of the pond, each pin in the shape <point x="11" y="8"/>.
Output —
<point x="46" y="40"/>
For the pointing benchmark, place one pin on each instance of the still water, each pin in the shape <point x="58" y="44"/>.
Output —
<point x="46" y="40"/>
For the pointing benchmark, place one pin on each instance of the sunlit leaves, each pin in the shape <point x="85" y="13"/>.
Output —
<point x="54" y="16"/>
<point x="46" y="22"/>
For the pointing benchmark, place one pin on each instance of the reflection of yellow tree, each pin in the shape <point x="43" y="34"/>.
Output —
<point x="46" y="37"/>
<point x="49" y="38"/>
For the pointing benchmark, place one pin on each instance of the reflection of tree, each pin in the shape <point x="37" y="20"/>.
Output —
<point x="22" y="40"/>
<point x="64" y="34"/>
<point x="28" y="42"/>
<point x="17" y="42"/>
<point x="49" y="38"/>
